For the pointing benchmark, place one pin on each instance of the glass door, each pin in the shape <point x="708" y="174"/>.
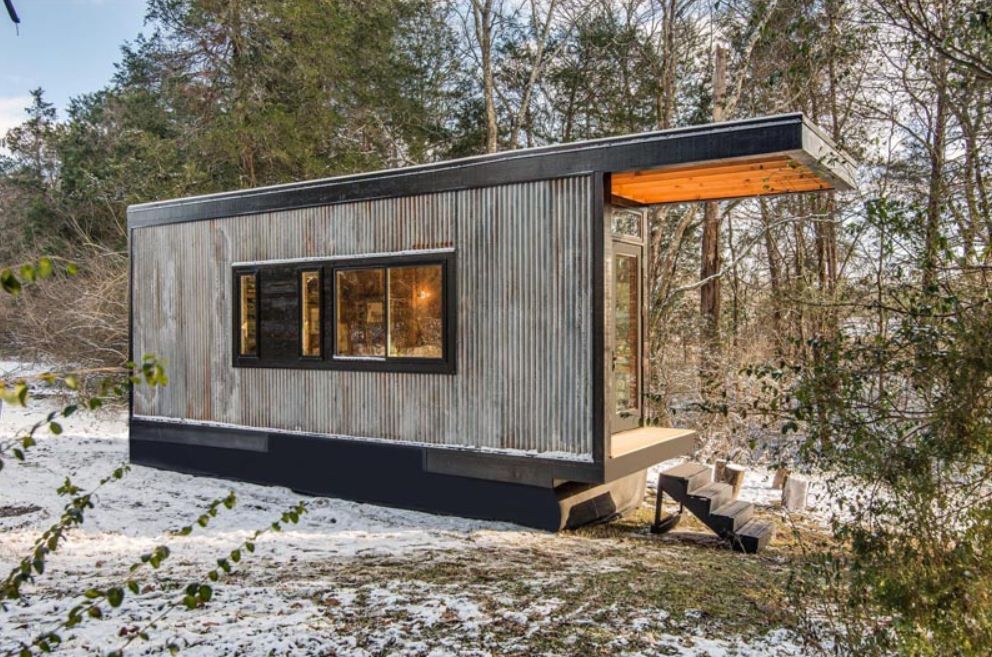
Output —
<point x="626" y="336"/>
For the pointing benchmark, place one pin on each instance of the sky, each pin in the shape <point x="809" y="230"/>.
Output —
<point x="66" y="47"/>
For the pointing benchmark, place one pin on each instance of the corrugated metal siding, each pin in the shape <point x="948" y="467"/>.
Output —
<point x="524" y="320"/>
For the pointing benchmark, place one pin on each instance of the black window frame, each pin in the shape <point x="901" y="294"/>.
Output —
<point x="328" y="360"/>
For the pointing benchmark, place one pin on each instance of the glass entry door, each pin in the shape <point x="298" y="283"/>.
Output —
<point x="626" y="336"/>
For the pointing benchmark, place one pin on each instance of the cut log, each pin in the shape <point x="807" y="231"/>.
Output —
<point x="718" y="469"/>
<point x="781" y="476"/>
<point x="734" y="475"/>
<point x="729" y="473"/>
<point x="794" y="493"/>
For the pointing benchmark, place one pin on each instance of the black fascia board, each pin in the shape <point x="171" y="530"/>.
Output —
<point x="735" y="139"/>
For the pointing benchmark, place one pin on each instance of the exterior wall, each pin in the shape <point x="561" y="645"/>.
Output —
<point x="524" y="305"/>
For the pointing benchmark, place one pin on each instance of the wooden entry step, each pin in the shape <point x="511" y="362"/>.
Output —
<point x="626" y="443"/>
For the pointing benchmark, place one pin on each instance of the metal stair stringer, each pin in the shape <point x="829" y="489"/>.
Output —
<point x="692" y="486"/>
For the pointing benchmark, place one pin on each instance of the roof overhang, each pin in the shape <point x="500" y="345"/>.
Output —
<point x="767" y="155"/>
<point x="817" y="165"/>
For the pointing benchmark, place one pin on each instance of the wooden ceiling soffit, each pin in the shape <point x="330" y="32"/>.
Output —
<point x="738" y="178"/>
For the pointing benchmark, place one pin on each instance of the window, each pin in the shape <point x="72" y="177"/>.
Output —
<point x="413" y="295"/>
<point x="361" y="312"/>
<point x="248" y="294"/>
<point x="380" y="313"/>
<point x="628" y="224"/>
<point x="415" y="323"/>
<point x="310" y="313"/>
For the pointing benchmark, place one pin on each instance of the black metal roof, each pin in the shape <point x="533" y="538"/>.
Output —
<point x="792" y="134"/>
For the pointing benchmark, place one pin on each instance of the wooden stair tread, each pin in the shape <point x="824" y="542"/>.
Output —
<point x="733" y="509"/>
<point x="685" y="471"/>
<point x="756" y="529"/>
<point x="712" y="489"/>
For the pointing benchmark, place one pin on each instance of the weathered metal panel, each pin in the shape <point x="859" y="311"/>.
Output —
<point x="524" y="304"/>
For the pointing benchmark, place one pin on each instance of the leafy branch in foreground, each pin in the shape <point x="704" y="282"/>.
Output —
<point x="150" y="372"/>
<point x="199" y="593"/>
<point x="114" y="595"/>
<point x="13" y="280"/>
<point x="72" y="516"/>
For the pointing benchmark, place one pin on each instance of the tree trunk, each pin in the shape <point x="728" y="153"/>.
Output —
<point x="936" y="188"/>
<point x="774" y="275"/>
<point x="482" y="12"/>
<point x="709" y="292"/>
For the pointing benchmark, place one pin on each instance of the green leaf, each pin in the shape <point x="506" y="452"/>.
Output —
<point x="115" y="596"/>
<point x="27" y="273"/>
<point x="55" y="428"/>
<point x="205" y="592"/>
<point x="71" y="268"/>
<point x="71" y="382"/>
<point x="44" y="267"/>
<point x="9" y="282"/>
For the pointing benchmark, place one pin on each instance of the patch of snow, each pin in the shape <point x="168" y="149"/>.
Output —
<point x="286" y="600"/>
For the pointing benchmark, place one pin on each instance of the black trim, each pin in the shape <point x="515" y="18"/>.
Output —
<point x="544" y="493"/>
<point x="735" y="139"/>
<point x="271" y="358"/>
<point x="600" y="430"/>
<point x="130" y="321"/>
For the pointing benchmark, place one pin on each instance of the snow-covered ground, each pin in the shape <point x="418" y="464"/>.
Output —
<point x="349" y="579"/>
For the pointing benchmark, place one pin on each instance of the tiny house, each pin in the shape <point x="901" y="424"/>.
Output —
<point x="465" y="337"/>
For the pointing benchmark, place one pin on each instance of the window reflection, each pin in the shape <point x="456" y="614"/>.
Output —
<point x="415" y="322"/>
<point x="249" y="315"/>
<point x="361" y="329"/>
<point x="310" y="308"/>
<point x="625" y="320"/>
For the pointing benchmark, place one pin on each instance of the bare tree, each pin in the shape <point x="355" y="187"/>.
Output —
<point x="483" y="18"/>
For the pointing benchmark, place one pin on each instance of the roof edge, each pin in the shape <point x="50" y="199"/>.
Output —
<point x="741" y="138"/>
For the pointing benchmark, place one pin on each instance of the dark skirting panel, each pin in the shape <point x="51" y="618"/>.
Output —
<point x="378" y="473"/>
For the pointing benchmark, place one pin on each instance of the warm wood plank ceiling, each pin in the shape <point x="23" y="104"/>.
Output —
<point x="762" y="176"/>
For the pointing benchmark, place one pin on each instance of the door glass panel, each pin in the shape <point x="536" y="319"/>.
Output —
<point x="626" y="350"/>
<point x="415" y="324"/>
<point x="361" y="316"/>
